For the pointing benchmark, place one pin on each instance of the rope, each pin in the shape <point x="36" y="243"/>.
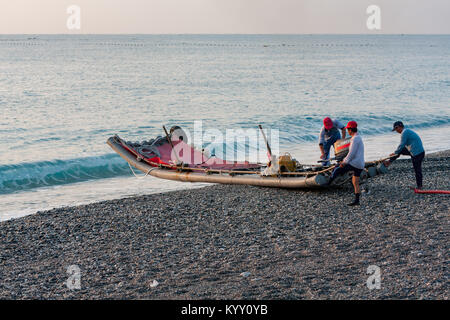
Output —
<point x="140" y="177"/>
<point x="378" y="161"/>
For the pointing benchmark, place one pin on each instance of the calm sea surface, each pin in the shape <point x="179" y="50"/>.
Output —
<point x="61" y="97"/>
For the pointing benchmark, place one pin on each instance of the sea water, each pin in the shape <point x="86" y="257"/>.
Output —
<point x="62" y="96"/>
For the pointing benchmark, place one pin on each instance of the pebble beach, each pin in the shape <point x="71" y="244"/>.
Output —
<point x="241" y="242"/>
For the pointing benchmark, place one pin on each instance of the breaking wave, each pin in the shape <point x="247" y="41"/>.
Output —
<point x="25" y="176"/>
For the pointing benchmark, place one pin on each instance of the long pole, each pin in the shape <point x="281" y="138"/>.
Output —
<point x="269" y="151"/>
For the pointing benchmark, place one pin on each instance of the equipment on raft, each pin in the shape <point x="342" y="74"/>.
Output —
<point x="341" y="148"/>
<point x="172" y="158"/>
<point x="287" y="163"/>
<point x="269" y="151"/>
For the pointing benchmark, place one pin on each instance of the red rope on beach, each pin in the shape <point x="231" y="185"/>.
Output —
<point x="432" y="191"/>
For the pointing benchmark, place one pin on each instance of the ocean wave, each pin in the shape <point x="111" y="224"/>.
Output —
<point x="26" y="176"/>
<point x="292" y="131"/>
<point x="306" y="129"/>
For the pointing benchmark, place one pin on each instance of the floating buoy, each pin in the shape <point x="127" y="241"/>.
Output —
<point x="372" y="171"/>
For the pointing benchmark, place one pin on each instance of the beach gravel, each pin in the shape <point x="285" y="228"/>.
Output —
<point x="240" y="242"/>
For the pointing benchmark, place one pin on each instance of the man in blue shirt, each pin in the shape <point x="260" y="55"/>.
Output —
<point x="410" y="145"/>
<point x="328" y="135"/>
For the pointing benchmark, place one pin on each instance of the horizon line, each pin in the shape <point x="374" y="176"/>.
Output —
<point x="267" y="34"/>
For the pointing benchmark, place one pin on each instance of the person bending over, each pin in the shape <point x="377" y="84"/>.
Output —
<point x="329" y="134"/>
<point x="410" y="145"/>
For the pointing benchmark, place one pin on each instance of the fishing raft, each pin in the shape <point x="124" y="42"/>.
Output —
<point x="172" y="158"/>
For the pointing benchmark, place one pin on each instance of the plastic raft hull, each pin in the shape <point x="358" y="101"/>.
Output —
<point x="315" y="181"/>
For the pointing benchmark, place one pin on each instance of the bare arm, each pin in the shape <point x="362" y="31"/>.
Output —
<point x="322" y="140"/>
<point x="322" y="149"/>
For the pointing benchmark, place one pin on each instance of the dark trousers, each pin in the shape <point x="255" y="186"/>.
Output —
<point x="338" y="171"/>
<point x="417" y="164"/>
<point x="329" y="141"/>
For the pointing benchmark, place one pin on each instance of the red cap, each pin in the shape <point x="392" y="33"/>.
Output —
<point x="352" y="124"/>
<point x="328" y="123"/>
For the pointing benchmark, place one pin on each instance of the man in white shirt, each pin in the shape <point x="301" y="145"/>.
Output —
<point x="354" y="161"/>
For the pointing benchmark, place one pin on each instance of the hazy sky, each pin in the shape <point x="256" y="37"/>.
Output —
<point x="224" y="16"/>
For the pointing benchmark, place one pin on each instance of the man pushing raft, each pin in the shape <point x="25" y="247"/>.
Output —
<point x="354" y="161"/>
<point x="410" y="145"/>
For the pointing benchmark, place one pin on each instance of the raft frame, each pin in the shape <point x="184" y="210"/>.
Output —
<point x="293" y="180"/>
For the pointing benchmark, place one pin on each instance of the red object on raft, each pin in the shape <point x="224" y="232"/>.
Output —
<point x="188" y="155"/>
<point x="432" y="191"/>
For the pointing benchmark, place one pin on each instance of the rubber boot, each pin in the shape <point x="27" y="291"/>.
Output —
<point x="356" y="201"/>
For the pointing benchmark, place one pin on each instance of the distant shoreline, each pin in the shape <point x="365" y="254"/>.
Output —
<point x="225" y="34"/>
